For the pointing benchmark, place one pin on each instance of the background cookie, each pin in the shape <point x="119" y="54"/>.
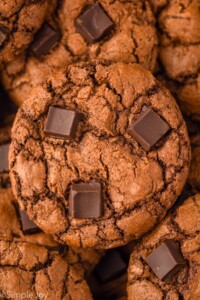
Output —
<point x="181" y="227"/>
<point x="132" y="38"/>
<point x="29" y="269"/>
<point x="19" y="20"/>
<point x="102" y="153"/>
<point x="179" y="52"/>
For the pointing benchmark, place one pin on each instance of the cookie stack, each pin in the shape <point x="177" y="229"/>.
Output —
<point x="99" y="197"/>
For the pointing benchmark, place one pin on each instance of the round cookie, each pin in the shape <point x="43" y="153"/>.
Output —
<point x="101" y="178"/>
<point x="32" y="271"/>
<point x="132" y="38"/>
<point x="15" y="224"/>
<point x="155" y="274"/>
<point x="194" y="173"/>
<point x="19" y="20"/>
<point x="179" y="51"/>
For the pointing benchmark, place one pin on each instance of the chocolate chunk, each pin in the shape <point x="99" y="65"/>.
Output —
<point x="44" y="40"/>
<point x="3" y="34"/>
<point x="28" y="227"/>
<point x="110" y="266"/>
<point x="85" y="200"/>
<point x="166" y="260"/>
<point x="4" y="166"/>
<point x="61" y="123"/>
<point x="94" y="24"/>
<point x="126" y="250"/>
<point x="148" y="129"/>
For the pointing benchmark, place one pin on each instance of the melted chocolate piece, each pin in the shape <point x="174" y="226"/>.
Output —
<point x="46" y="38"/>
<point x="28" y="227"/>
<point x="166" y="260"/>
<point x="94" y="24"/>
<point x="85" y="200"/>
<point x="148" y="129"/>
<point x="61" y="123"/>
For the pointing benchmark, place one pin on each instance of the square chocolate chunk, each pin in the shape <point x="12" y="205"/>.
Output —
<point x="44" y="40"/>
<point x="85" y="200"/>
<point x="148" y="129"/>
<point x="166" y="260"/>
<point x="94" y="24"/>
<point x="61" y="123"/>
<point x="4" y="165"/>
<point x="28" y="227"/>
<point x="111" y="266"/>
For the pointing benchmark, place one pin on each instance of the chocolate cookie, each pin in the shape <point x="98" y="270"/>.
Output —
<point x="165" y="264"/>
<point x="80" y="30"/>
<point x="99" y="154"/>
<point x="19" y="20"/>
<point x="179" y="30"/>
<point x="31" y="271"/>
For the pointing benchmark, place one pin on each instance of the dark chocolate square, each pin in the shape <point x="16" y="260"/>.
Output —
<point x="4" y="165"/>
<point x="166" y="260"/>
<point x="85" y="200"/>
<point x="148" y="129"/>
<point x="28" y="226"/>
<point x="61" y="123"/>
<point x="111" y="266"/>
<point x="45" y="39"/>
<point x="94" y="24"/>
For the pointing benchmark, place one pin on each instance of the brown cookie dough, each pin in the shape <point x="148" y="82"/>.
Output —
<point x="133" y="39"/>
<point x="137" y="186"/>
<point x="10" y="223"/>
<point x="83" y="260"/>
<point x="179" y="52"/>
<point x="194" y="173"/>
<point x="181" y="226"/>
<point x="19" y="20"/>
<point x="33" y="271"/>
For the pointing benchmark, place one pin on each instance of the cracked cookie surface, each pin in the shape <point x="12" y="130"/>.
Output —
<point x="83" y="260"/>
<point x="182" y="226"/>
<point x="133" y="39"/>
<point x="179" y="51"/>
<point x="138" y="186"/>
<point x="19" y="20"/>
<point x="27" y="268"/>
<point x="10" y="226"/>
